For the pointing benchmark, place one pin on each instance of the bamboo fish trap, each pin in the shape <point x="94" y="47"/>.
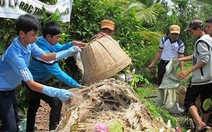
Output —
<point x="103" y="58"/>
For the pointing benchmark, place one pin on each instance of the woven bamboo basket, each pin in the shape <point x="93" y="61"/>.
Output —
<point x="103" y="58"/>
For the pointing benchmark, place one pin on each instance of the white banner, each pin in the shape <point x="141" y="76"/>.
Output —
<point x="14" y="8"/>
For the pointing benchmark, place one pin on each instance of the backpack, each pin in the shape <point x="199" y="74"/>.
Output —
<point x="179" y="42"/>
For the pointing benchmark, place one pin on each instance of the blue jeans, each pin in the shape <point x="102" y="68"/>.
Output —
<point x="8" y="114"/>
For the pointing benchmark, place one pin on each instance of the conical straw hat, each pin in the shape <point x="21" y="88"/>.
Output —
<point x="103" y="58"/>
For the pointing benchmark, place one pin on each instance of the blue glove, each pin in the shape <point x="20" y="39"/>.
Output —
<point x="77" y="85"/>
<point x="66" y="53"/>
<point x="62" y="94"/>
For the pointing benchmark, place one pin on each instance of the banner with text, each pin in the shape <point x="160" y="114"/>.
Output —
<point x="15" y="8"/>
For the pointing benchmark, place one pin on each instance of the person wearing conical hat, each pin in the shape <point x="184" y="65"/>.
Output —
<point x="107" y="28"/>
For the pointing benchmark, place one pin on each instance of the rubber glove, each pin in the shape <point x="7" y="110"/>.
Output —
<point x="66" y="53"/>
<point x="62" y="94"/>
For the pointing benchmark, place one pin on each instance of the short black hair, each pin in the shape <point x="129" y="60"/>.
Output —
<point x="27" y="23"/>
<point x="209" y="20"/>
<point x="51" y="28"/>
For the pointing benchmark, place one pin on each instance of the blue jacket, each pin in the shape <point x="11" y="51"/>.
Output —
<point x="14" y="64"/>
<point x="42" y="71"/>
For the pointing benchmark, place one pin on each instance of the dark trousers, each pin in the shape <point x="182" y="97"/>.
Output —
<point x="194" y="91"/>
<point x="8" y="111"/>
<point x="161" y="70"/>
<point x="34" y="103"/>
<point x="209" y="123"/>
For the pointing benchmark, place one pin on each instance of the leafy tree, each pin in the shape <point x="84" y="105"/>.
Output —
<point x="51" y="2"/>
<point x="185" y="11"/>
<point x="6" y="33"/>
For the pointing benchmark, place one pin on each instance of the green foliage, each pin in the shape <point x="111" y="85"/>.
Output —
<point x="145" y="92"/>
<point x="50" y="17"/>
<point x="142" y="57"/>
<point x="22" y="99"/>
<point x="6" y="33"/>
<point x="130" y="30"/>
<point x="183" y="12"/>
<point x="50" y="2"/>
<point x="207" y="1"/>
<point x="114" y="126"/>
<point x="138" y="78"/>
<point x="207" y="104"/>
<point x="155" y="111"/>
<point x="158" y="112"/>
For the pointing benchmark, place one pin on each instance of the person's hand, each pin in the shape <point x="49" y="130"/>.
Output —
<point x="67" y="53"/>
<point x="183" y="74"/>
<point x="79" y="44"/>
<point x="62" y="94"/>
<point x="151" y="67"/>
<point x="74" y="49"/>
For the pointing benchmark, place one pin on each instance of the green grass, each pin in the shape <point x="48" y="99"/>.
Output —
<point x="148" y="96"/>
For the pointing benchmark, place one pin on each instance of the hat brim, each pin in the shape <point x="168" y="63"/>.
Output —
<point x="175" y="32"/>
<point x="111" y="28"/>
<point x="188" y="29"/>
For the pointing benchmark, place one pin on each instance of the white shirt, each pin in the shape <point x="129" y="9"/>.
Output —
<point x="170" y="50"/>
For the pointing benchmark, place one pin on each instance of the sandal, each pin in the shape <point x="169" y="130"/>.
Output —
<point x="202" y="129"/>
<point x="209" y="124"/>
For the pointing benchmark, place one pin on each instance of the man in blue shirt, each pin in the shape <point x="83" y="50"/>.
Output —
<point x="42" y="71"/>
<point x="14" y="68"/>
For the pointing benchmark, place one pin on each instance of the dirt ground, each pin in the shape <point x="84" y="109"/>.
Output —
<point x="42" y="117"/>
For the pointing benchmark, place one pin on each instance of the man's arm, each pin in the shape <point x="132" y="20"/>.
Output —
<point x="186" y="58"/>
<point x="48" y="56"/>
<point x="35" y="86"/>
<point x="204" y="55"/>
<point x="60" y="47"/>
<point x="156" y="58"/>
<point x="181" y="62"/>
<point x="60" y="55"/>
<point x="55" y="70"/>
<point x="185" y="73"/>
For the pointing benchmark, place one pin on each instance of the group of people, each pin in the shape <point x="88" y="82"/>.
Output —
<point x="32" y="60"/>
<point x="201" y="82"/>
<point x="16" y="66"/>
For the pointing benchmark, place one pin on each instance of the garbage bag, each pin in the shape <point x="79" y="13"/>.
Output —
<point x="170" y="79"/>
